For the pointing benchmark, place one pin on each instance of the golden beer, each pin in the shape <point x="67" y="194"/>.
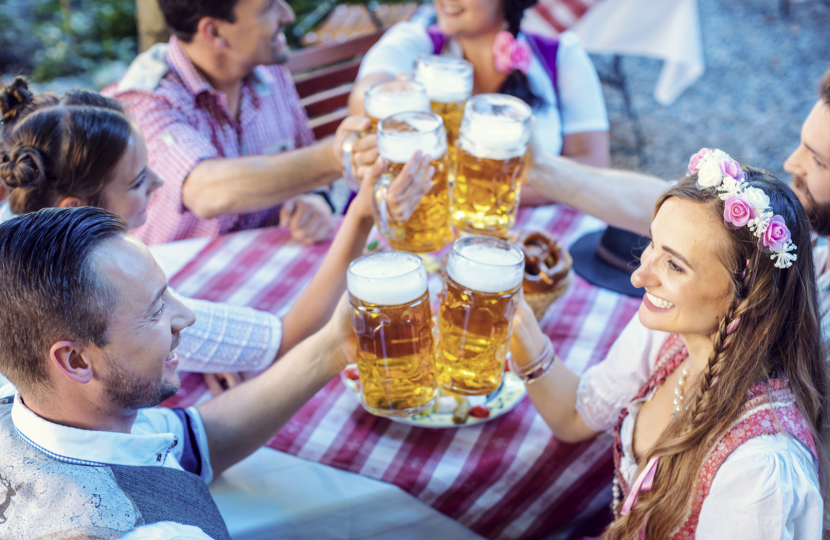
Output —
<point x="449" y="83"/>
<point x="475" y="320"/>
<point x="399" y="137"/>
<point x="392" y="97"/>
<point x="495" y="133"/>
<point x="392" y="320"/>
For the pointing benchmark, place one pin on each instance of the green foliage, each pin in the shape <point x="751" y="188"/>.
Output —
<point x="70" y="36"/>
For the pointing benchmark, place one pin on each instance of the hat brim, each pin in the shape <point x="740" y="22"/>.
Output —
<point x="596" y="271"/>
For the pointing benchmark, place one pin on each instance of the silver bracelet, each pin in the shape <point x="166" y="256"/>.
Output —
<point x="538" y="368"/>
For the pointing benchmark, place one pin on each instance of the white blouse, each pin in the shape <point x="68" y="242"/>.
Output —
<point x="583" y="106"/>
<point x="766" y="489"/>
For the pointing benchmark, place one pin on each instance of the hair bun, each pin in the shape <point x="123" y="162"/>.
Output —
<point x="23" y="168"/>
<point x="13" y="97"/>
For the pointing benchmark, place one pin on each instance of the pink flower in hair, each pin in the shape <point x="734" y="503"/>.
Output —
<point x="776" y="235"/>
<point x="520" y="59"/>
<point x="730" y="167"/>
<point x="694" y="162"/>
<point x="503" y="51"/>
<point x="737" y="211"/>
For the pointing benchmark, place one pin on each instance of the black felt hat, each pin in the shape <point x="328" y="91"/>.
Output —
<point x="608" y="258"/>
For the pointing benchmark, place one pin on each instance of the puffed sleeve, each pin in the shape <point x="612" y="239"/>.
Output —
<point x="397" y="50"/>
<point x="228" y="338"/>
<point x="583" y="105"/>
<point x="607" y="387"/>
<point x="766" y="489"/>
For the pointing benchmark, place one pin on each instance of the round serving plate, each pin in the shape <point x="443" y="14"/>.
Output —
<point x="509" y="395"/>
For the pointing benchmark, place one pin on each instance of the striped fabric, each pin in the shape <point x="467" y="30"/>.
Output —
<point x="562" y="14"/>
<point x="509" y="478"/>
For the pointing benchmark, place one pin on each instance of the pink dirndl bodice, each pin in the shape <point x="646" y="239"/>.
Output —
<point x="769" y="408"/>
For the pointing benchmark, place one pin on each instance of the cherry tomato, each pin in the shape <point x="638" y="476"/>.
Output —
<point x="480" y="411"/>
<point x="352" y="374"/>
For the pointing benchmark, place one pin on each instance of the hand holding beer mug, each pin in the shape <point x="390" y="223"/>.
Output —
<point x="481" y="292"/>
<point x="400" y="136"/>
<point x="494" y="136"/>
<point x="449" y="83"/>
<point x="393" y="323"/>
<point x="380" y="100"/>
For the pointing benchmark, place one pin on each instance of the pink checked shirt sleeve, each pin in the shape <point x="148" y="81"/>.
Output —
<point x="227" y="338"/>
<point x="185" y="121"/>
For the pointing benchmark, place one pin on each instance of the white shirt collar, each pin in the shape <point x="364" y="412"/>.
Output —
<point x="143" y="446"/>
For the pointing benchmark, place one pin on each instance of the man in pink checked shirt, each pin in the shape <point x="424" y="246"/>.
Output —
<point x="225" y="128"/>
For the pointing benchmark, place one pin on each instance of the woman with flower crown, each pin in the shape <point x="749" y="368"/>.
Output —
<point x="554" y="76"/>
<point x="716" y="391"/>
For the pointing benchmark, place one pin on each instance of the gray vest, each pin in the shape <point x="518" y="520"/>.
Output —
<point x="59" y="500"/>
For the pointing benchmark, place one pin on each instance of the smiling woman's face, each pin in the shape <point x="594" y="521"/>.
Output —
<point x="687" y="285"/>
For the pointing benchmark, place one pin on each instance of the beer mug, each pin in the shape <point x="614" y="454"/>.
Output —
<point x="399" y="137"/>
<point x="495" y="133"/>
<point x="393" y="322"/>
<point x="475" y="320"/>
<point x="449" y="83"/>
<point x="382" y="100"/>
<point x="392" y="97"/>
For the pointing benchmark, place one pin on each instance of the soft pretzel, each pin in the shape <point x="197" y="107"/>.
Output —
<point x="546" y="263"/>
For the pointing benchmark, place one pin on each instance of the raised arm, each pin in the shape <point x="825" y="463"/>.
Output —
<point x="244" y="418"/>
<point x="624" y="199"/>
<point x="246" y="184"/>
<point x="554" y="395"/>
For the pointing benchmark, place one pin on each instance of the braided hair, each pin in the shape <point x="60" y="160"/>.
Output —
<point x="517" y="84"/>
<point x="770" y="330"/>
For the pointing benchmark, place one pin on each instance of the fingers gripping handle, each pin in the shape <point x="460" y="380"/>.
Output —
<point x="348" y="173"/>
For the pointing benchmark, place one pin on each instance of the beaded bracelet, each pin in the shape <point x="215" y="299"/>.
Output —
<point x="538" y="368"/>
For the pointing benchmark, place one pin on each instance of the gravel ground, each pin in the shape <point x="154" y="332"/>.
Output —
<point x="761" y="79"/>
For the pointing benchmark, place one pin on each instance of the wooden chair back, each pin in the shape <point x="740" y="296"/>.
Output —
<point x="324" y="76"/>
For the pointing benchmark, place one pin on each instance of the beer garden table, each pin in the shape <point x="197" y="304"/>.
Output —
<point x="505" y="479"/>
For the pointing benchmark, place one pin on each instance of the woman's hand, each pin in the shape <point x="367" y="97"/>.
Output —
<point x="219" y="382"/>
<point x="309" y="218"/>
<point x="527" y="341"/>
<point x="339" y="336"/>
<point x="404" y="193"/>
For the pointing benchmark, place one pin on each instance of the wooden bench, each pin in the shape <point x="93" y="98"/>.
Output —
<point x="324" y="76"/>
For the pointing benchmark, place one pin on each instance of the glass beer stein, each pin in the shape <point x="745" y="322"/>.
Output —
<point x="392" y="97"/>
<point x="475" y="320"/>
<point x="495" y="133"/>
<point x="449" y="83"/>
<point x="399" y="137"/>
<point x="393" y="323"/>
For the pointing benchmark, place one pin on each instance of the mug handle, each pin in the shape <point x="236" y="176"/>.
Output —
<point x="379" y="209"/>
<point x="348" y="174"/>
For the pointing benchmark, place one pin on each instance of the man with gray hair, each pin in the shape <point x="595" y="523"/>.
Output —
<point x="88" y="336"/>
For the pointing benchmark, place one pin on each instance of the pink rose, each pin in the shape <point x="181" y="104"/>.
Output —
<point x="737" y="211"/>
<point x="502" y="51"/>
<point x="730" y="167"/>
<point x="694" y="162"/>
<point x="776" y="235"/>
<point x="520" y="59"/>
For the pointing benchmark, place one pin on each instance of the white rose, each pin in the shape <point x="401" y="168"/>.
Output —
<point x="757" y="198"/>
<point x="709" y="174"/>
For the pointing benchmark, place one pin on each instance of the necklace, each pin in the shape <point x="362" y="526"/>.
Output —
<point x="678" y="390"/>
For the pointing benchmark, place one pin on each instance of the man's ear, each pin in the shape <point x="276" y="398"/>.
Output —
<point x="208" y="31"/>
<point x="69" y="358"/>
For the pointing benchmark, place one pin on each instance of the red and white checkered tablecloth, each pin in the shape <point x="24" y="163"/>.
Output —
<point x="509" y="478"/>
<point x="561" y="14"/>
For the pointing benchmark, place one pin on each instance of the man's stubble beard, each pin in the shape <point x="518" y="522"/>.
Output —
<point x="129" y="392"/>
<point x="818" y="214"/>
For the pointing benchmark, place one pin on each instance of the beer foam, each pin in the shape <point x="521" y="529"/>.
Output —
<point x="403" y="134"/>
<point x="446" y="79"/>
<point x="388" y="278"/>
<point x="485" y="268"/>
<point x="383" y="104"/>
<point x="495" y="127"/>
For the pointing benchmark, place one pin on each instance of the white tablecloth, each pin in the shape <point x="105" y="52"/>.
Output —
<point x="665" y="29"/>
<point x="275" y="495"/>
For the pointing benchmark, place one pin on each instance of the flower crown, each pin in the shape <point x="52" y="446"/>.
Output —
<point x="744" y="205"/>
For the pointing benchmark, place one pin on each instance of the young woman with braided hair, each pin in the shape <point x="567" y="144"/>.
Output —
<point x="716" y="392"/>
<point x="554" y="76"/>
